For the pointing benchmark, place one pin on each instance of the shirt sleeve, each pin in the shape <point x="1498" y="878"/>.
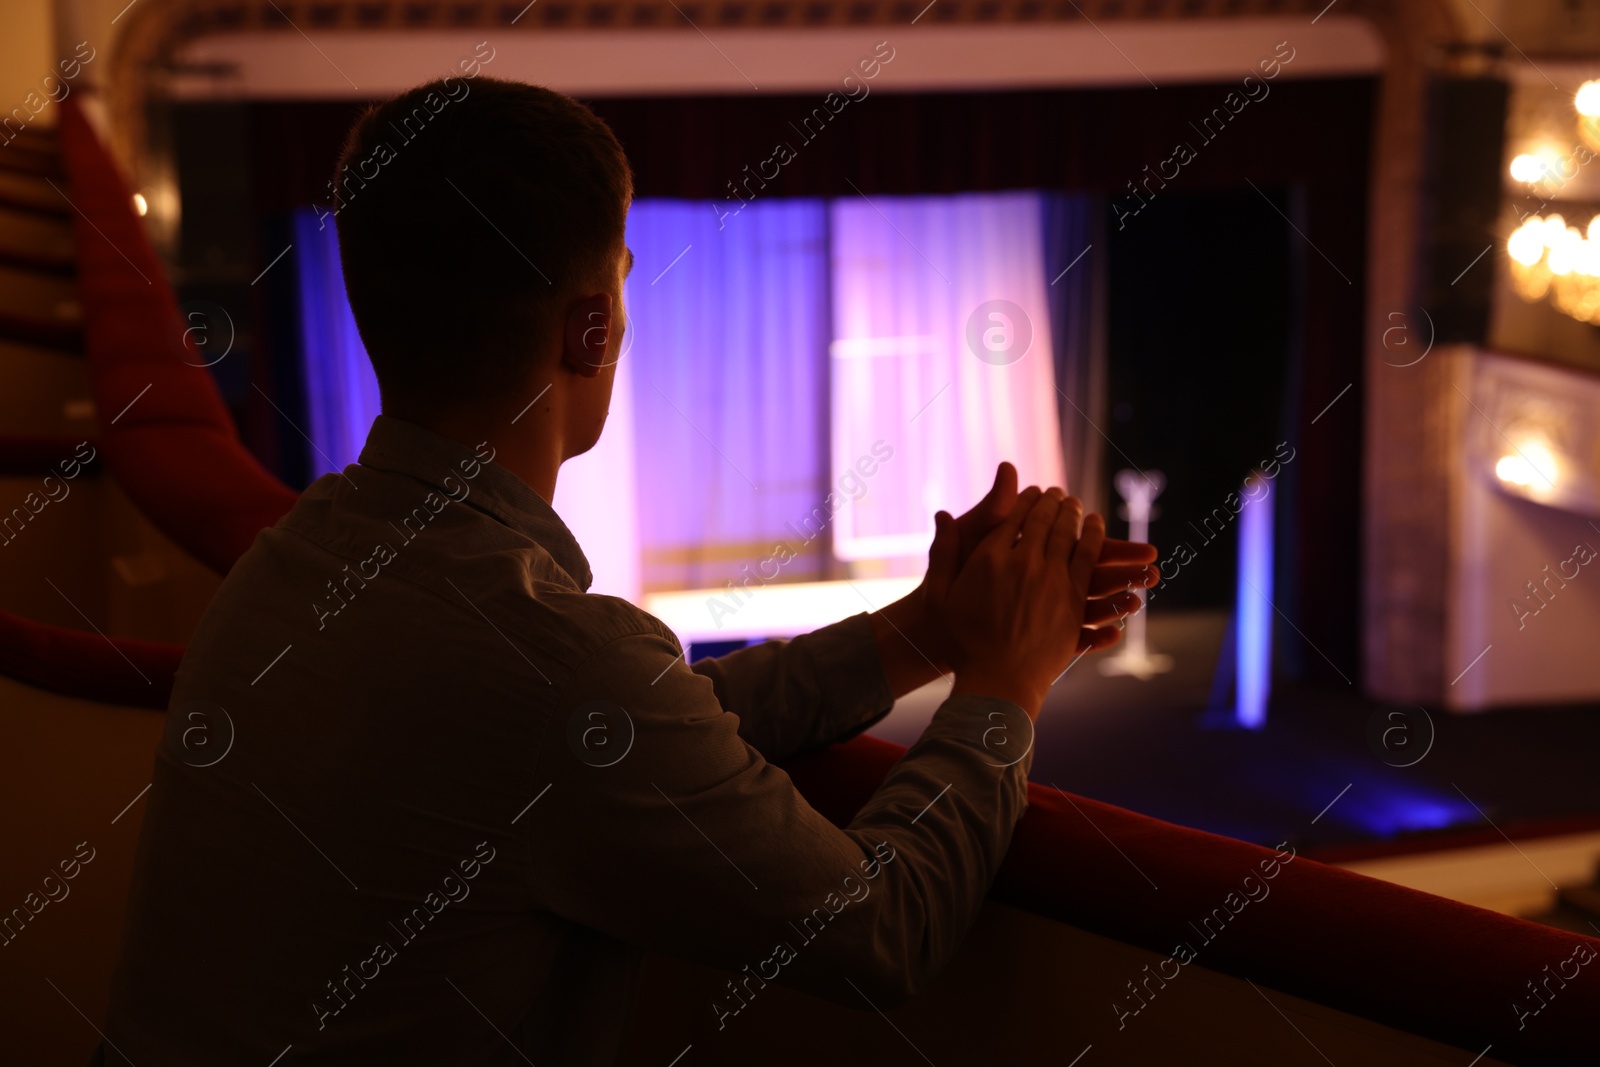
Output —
<point x="678" y="836"/>
<point x="808" y="692"/>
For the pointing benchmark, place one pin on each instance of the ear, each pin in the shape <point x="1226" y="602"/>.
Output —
<point x="586" y="339"/>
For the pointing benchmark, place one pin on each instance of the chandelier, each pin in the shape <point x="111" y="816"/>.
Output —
<point x="1549" y="257"/>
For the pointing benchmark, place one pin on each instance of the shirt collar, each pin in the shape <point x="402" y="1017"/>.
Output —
<point x="407" y="448"/>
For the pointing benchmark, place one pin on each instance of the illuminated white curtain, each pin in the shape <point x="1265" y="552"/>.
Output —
<point x="942" y="351"/>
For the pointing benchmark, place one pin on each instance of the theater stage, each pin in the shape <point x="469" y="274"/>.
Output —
<point x="1325" y="774"/>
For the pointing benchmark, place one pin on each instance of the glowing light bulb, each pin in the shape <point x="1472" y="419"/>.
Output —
<point x="1542" y="459"/>
<point x="1526" y="244"/>
<point x="1533" y="463"/>
<point x="1565" y="251"/>
<point x="140" y="205"/>
<point x="1588" y="99"/>
<point x="1513" y="470"/>
<point x="1526" y="168"/>
<point x="1588" y="260"/>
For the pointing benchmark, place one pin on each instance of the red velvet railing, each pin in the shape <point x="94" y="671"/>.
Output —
<point x="1413" y="960"/>
<point x="165" y="433"/>
<point x="77" y="663"/>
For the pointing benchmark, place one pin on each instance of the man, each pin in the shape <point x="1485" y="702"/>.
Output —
<point x="424" y="799"/>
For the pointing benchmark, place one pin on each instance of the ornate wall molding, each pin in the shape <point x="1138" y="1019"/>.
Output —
<point x="154" y="32"/>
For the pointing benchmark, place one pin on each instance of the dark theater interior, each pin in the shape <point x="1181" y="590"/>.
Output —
<point x="681" y="533"/>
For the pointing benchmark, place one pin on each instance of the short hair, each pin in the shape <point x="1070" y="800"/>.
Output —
<point x="468" y="212"/>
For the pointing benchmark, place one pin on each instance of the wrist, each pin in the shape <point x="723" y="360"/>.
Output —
<point x="995" y="684"/>
<point x="909" y="619"/>
<point x="904" y="647"/>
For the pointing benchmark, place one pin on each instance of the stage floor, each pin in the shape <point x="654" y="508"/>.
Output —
<point x="1319" y="774"/>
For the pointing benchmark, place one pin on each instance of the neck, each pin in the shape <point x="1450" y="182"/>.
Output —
<point x="528" y="442"/>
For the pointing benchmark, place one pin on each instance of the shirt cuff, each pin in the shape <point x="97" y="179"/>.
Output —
<point x="998" y="729"/>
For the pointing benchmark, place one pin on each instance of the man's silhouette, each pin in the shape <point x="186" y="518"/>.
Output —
<point x="463" y="795"/>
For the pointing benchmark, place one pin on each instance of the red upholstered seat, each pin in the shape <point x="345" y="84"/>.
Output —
<point x="77" y="663"/>
<point x="165" y="434"/>
<point x="1418" y="962"/>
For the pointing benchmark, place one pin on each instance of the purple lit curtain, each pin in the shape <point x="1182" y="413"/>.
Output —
<point x="796" y="349"/>
<point x="340" y="389"/>
<point x="729" y="367"/>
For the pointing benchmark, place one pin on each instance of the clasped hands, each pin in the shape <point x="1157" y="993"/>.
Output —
<point x="1016" y="588"/>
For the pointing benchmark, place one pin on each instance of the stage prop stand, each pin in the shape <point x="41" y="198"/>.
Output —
<point x="1138" y="491"/>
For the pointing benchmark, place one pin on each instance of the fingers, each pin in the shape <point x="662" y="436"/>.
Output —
<point x="995" y="506"/>
<point x="942" y="555"/>
<point x="1087" y="551"/>
<point x="1119" y="551"/>
<point x="1112" y="578"/>
<point x="1110" y="612"/>
<point x="1097" y="640"/>
<point x="1037" y="526"/>
<point x="1002" y="494"/>
<point x="1004" y="535"/>
<point x="1064" y="533"/>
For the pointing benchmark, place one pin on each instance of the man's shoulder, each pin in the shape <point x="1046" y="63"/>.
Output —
<point x="343" y="565"/>
<point x="596" y="620"/>
<point x="512" y="603"/>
